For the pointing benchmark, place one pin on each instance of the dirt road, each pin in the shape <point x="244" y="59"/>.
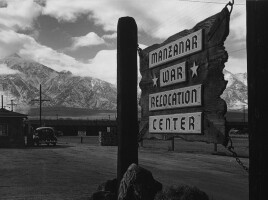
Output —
<point x="74" y="171"/>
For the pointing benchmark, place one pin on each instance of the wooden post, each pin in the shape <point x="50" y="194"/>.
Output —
<point x="215" y="147"/>
<point x="172" y="143"/>
<point x="127" y="113"/>
<point x="257" y="67"/>
<point x="30" y="135"/>
<point x="40" y="108"/>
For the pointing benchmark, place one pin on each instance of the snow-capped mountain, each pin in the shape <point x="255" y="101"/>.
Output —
<point x="63" y="89"/>
<point x="242" y="77"/>
<point x="235" y="94"/>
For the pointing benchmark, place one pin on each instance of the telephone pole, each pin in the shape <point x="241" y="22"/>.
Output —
<point x="12" y="104"/>
<point x="40" y="100"/>
<point x="2" y="100"/>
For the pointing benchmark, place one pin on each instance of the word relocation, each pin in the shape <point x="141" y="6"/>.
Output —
<point x="178" y="98"/>
<point x="176" y="123"/>
<point x="184" y="46"/>
<point x="172" y="75"/>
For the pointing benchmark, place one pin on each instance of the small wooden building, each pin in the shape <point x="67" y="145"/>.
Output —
<point x="11" y="128"/>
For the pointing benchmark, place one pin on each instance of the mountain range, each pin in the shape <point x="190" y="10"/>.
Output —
<point x="236" y="93"/>
<point x="63" y="89"/>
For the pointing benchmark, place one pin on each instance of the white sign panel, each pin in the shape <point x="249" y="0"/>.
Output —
<point x="82" y="133"/>
<point x="172" y="75"/>
<point x="189" y="44"/>
<point x="176" y="123"/>
<point x="178" y="98"/>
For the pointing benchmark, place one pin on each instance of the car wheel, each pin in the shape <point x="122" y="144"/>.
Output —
<point x="37" y="144"/>
<point x="47" y="144"/>
<point x="54" y="144"/>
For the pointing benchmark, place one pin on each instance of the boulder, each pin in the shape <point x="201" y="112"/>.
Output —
<point x="138" y="184"/>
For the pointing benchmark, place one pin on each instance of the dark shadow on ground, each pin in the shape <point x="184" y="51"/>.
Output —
<point x="44" y="146"/>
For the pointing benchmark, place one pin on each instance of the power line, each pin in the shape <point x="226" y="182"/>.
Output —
<point x="12" y="104"/>
<point x="212" y="2"/>
<point x="173" y="19"/>
<point x="40" y="100"/>
<point x="237" y="50"/>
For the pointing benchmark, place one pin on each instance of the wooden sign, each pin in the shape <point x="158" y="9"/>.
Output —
<point x="182" y="82"/>
<point x="82" y="133"/>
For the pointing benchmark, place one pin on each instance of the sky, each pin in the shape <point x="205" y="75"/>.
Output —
<point x="80" y="36"/>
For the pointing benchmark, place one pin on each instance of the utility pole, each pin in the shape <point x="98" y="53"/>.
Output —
<point x="2" y="100"/>
<point x="12" y="104"/>
<point x="40" y="100"/>
<point x="257" y="68"/>
<point x="244" y="113"/>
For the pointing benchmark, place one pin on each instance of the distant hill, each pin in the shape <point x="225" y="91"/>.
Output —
<point x="63" y="89"/>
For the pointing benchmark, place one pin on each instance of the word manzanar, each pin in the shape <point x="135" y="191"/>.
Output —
<point x="176" y="123"/>
<point x="184" y="46"/>
<point x="178" y="98"/>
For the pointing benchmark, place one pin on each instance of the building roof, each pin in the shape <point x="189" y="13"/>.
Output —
<point x="6" y="113"/>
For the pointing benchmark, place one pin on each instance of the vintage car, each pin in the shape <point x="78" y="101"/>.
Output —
<point x="45" y="135"/>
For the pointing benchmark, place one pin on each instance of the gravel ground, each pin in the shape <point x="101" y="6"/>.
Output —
<point x="73" y="170"/>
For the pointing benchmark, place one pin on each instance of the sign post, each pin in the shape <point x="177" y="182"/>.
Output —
<point x="127" y="106"/>
<point x="257" y="42"/>
<point x="182" y="82"/>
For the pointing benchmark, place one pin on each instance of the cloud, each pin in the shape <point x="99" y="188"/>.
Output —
<point x="236" y="65"/>
<point x="159" y="19"/>
<point x="4" y="69"/>
<point x="110" y="36"/>
<point x="3" y="4"/>
<point x="12" y="42"/>
<point x="102" y="66"/>
<point x="142" y="46"/>
<point x="19" y="14"/>
<point x="91" y="39"/>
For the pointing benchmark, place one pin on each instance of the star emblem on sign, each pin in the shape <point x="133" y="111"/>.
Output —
<point x="155" y="81"/>
<point x="194" y="70"/>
